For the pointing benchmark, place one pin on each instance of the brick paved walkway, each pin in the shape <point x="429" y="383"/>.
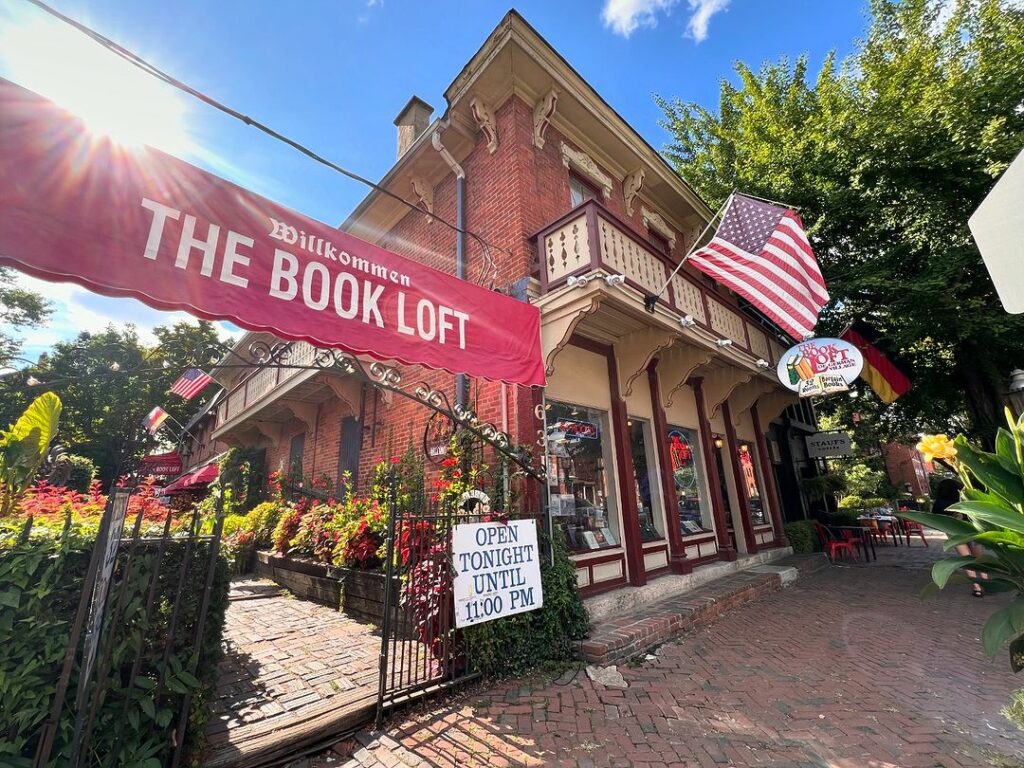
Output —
<point x="287" y="663"/>
<point x="848" y="668"/>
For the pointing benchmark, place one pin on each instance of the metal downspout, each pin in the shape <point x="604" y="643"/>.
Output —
<point x="461" y="380"/>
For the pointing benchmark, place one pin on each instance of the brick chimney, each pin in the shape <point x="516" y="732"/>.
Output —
<point x="412" y="121"/>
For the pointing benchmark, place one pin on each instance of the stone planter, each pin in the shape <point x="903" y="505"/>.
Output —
<point x="358" y="593"/>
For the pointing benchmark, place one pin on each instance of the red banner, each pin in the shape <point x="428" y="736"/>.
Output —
<point x="162" y="464"/>
<point x="141" y="223"/>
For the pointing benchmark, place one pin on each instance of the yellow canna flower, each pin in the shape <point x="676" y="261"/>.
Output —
<point x="936" y="447"/>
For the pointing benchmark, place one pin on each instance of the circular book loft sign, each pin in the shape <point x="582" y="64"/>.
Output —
<point x="820" y="367"/>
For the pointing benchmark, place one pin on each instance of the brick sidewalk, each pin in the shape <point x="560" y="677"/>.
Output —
<point x="847" y="668"/>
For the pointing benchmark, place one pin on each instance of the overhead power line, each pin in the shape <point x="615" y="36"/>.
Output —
<point x="158" y="73"/>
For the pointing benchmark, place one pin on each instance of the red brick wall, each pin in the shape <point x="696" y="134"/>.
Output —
<point x="905" y="464"/>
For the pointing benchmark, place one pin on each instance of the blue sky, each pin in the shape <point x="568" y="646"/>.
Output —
<point x="333" y="74"/>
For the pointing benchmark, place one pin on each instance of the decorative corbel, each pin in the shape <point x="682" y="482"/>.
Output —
<point x="485" y="122"/>
<point x="769" y="406"/>
<point x="346" y="389"/>
<point x="635" y="350"/>
<point x="631" y="186"/>
<point x="720" y="383"/>
<point x="584" y="164"/>
<point x="423" y="195"/>
<point x="746" y="395"/>
<point x="654" y="221"/>
<point x="558" y="323"/>
<point x="304" y="412"/>
<point x="271" y="430"/>
<point x="676" y="365"/>
<point x="543" y="111"/>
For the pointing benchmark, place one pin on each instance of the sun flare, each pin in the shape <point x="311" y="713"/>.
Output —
<point x="110" y="95"/>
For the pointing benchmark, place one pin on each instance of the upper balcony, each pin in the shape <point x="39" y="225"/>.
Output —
<point x="591" y="239"/>
<point x="273" y="395"/>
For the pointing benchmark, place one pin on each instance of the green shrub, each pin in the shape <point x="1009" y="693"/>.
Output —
<point x="545" y="637"/>
<point x="261" y="521"/>
<point x="852" y="501"/>
<point x="802" y="536"/>
<point x="234" y="523"/>
<point x="843" y="517"/>
<point x="41" y="578"/>
<point x="81" y="473"/>
<point x="874" y="502"/>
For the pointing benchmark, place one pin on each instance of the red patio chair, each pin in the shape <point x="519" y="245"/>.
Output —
<point x="832" y="546"/>
<point x="910" y="528"/>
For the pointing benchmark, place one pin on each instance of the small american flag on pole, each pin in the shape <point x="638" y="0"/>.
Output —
<point x="761" y="251"/>
<point x="191" y="383"/>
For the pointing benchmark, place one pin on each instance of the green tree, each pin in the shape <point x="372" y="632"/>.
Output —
<point x="886" y="156"/>
<point x="109" y="381"/>
<point x="18" y="309"/>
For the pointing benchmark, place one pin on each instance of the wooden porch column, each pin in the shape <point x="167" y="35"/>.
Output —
<point x="627" y="491"/>
<point x="677" y="561"/>
<point x="769" y="479"/>
<point x="707" y="444"/>
<point x="731" y="444"/>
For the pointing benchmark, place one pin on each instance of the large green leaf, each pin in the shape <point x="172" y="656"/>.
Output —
<point x="1010" y="538"/>
<point x="1006" y="452"/>
<point x="943" y="569"/>
<point x="996" y="514"/>
<point x="1005" y="624"/>
<point x="988" y="470"/>
<point x="951" y="526"/>
<point x="42" y="414"/>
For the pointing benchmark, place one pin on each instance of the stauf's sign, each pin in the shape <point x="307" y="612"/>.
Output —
<point x="144" y="224"/>
<point x="823" y="444"/>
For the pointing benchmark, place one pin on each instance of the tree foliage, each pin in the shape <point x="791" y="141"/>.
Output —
<point x="886" y="155"/>
<point x="19" y="308"/>
<point x="108" y="382"/>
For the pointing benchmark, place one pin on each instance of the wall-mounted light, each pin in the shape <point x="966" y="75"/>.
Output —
<point x="762" y="363"/>
<point x="578" y="281"/>
<point x="719" y="442"/>
<point x="615" y="279"/>
<point x="629" y="422"/>
<point x="724" y="342"/>
<point x="744" y="448"/>
<point x="687" y="321"/>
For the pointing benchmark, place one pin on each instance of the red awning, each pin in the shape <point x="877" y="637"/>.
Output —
<point x="82" y="209"/>
<point x="202" y="476"/>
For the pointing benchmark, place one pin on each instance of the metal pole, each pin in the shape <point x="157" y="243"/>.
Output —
<point x="389" y="568"/>
<point x="651" y="299"/>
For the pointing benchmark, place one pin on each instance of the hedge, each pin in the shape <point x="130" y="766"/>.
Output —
<point x="542" y="638"/>
<point x="803" y="536"/>
<point x="40" y="583"/>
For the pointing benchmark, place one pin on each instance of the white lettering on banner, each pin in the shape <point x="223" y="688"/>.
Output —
<point x="497" y="570"/>
<point x="319" y="286"/>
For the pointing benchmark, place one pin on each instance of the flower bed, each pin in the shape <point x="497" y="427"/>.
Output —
<point x="358" y="593"/>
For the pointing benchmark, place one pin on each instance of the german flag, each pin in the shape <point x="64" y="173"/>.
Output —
<point x="882" y="371"/>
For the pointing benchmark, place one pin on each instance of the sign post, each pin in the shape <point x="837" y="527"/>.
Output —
<point x="497" y="570"/>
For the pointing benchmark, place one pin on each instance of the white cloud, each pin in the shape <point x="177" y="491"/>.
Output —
<point x="624" y="17"/>
<point x="703" y="10"/>
<point x="75" y="310"/>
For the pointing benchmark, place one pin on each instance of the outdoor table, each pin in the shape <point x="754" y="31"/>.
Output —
<point x="894" y="527"/>
<point x="865" y="538"/>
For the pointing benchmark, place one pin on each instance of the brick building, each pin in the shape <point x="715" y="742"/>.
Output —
<point x="671" y="442"/>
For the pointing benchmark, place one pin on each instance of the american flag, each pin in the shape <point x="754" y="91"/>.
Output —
<point x="191" y="383"/>
<point x="761" y="252"/>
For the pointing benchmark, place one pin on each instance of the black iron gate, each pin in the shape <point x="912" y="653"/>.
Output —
<point x="122" y="657"/>
<point x="422" y="652"/>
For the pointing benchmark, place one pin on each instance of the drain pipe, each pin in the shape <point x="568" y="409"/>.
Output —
<point x="461" y="381"/>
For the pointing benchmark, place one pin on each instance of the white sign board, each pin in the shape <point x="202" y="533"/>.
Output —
<point x="998" y="229"/>
<point x="820" y="367"/>
<point x="823" y="444"/>
<point x="497" y="570"/>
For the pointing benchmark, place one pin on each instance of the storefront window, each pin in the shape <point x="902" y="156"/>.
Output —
<point x="694" y="511"/>
<point x="751" y="484"/>
<point x="579" y="452"/>
<point x="645" y="481"/>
